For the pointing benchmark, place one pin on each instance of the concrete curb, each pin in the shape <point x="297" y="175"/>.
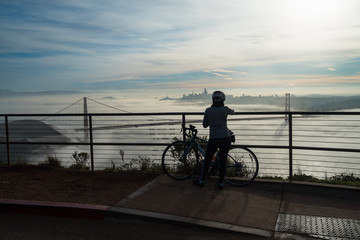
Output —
<point x="102" y="212"/>
<point x="118" y="212"/>
<point x="58" y="209"/>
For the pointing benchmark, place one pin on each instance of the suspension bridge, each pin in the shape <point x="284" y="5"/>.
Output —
<point x="88" y="104"/>
<point x="85" y="102"/>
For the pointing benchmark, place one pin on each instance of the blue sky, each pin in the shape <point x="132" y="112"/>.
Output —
<point x="295" y="45"/>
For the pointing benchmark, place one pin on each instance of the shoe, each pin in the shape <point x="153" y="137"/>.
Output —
<point x="198" y="182"/>
<point x="220" y="185"/>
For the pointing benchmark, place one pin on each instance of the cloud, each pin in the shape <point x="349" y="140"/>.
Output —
<point x="79" y="42"/>
<point x="223" y="73"/>
<point x="218" y="74"/>
<point x="221" y="70"/>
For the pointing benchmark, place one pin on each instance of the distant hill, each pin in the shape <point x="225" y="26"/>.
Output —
<point x="31" y="131"/>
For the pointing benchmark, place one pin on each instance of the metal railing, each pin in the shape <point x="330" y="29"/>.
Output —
<point x="322" y="144"/>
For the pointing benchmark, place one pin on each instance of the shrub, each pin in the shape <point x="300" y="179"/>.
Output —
<point x="305" y="178"/>
<point x="21" y="163"/>
<point x="81" y="160"/>
<point x="53" y="161"/>
<point x="345" y="178"/>
<point x="3" y="164"/>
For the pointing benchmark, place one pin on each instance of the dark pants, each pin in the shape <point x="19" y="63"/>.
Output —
<point x="223" y="144"/>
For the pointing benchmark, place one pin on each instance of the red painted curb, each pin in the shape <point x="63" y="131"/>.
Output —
<point x="58" y="209"/>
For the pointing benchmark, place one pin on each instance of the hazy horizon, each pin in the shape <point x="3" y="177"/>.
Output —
<point x="135" y="101"/>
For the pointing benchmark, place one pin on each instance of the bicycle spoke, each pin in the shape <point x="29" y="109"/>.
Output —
<point x="180" y="160"/>
<point x="241" y="167"/>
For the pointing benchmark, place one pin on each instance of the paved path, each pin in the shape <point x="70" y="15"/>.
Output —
<point x="263" y="209"/>
<point x="257" y="209"/>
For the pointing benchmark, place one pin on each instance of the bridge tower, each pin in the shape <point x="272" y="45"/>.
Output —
<point x="287" y="106"/>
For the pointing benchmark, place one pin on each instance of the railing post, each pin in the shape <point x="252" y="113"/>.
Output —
<point x="91" y="143"/>
<point x="290" y="148"/>
<point x="183" y="124"/>
<point x="86" y="122"/>
<point x="7" y="140"/>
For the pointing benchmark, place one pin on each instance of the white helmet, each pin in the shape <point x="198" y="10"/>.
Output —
<point x="218" y="96"/>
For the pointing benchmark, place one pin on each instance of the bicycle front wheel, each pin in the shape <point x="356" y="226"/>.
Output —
<point x="242" y="166"/>
<point x="180" y="160"/>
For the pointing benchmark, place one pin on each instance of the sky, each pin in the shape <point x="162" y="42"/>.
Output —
<point x="297" y="46"/>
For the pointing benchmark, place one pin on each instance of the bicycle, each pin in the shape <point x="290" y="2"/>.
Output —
<point x="180" y="160"/>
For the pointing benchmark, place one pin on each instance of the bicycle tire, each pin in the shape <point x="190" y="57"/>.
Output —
<point x="242" y="167"/>
<point x="175" y="164"/>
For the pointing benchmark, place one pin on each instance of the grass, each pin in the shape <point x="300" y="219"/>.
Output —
<point x="339" y="179"/>
<point x="140" y="164"/>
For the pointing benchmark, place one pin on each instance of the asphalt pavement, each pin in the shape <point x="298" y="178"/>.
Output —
<point x="35" y="227"/>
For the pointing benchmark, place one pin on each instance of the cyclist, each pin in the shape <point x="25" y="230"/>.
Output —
<point x="216" y="117"/>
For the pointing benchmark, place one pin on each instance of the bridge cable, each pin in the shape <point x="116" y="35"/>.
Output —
<point x="119" y="109"/>
<point x="64" y="108"/>
<point x="109" y="106"/>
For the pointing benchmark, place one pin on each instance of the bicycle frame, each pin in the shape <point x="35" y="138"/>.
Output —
<point x="193" y="142"/>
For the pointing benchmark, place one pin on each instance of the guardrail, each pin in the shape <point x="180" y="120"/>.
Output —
<point x="321" y="144"/>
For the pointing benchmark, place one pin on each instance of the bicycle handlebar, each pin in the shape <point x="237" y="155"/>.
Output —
<point x="192" y="130"/>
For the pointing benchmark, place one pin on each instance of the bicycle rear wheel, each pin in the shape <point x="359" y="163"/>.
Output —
<point x="242" y="166"/>
<point x="180" y="160"/>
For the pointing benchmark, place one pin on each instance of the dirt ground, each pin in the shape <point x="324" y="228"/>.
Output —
<point x="64" y="185"/>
